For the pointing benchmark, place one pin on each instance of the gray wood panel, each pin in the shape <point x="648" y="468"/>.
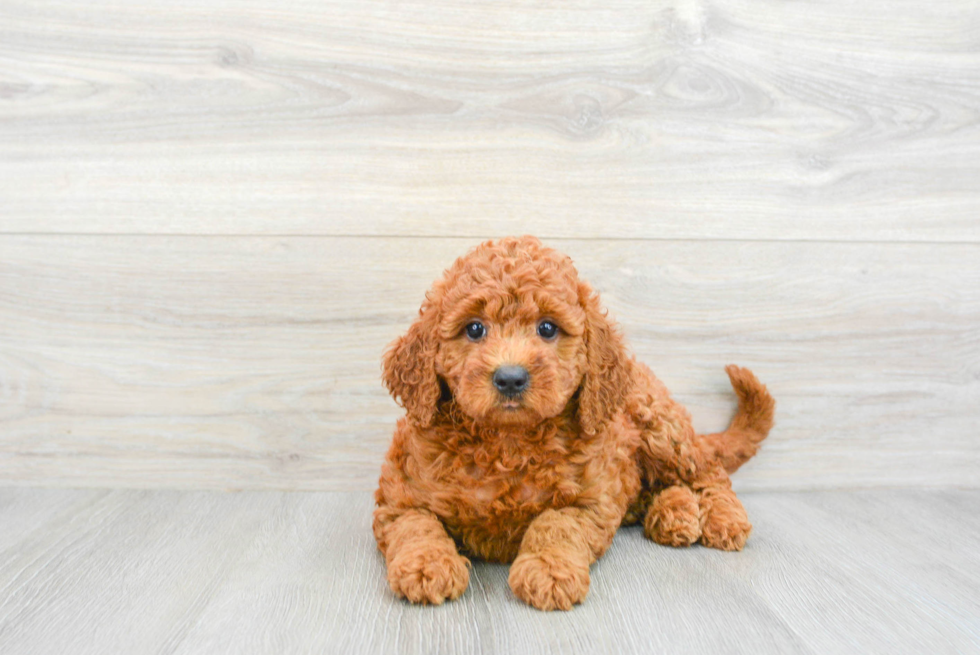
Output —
<point x="259" y="572"/>
<point x="254" y="362"/>
<point x="743" y="119"/>
<point x="790" y="186"/>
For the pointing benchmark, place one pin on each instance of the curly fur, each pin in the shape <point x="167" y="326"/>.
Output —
<point x="544" y="481"/>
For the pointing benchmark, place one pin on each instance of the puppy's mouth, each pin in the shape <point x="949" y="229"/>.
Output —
<point x="510" y="404"/>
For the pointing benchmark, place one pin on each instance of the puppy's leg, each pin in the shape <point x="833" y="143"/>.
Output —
<point x="552" y="567"/>
<point x="724" y="523"/>
<point x="673" y="518"/>
<point x="423" y="563"/>
<point x="671" y="453"/>
<point x="669" y="456"/>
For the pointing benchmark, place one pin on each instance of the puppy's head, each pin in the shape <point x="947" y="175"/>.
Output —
<point x="514" y="336"/>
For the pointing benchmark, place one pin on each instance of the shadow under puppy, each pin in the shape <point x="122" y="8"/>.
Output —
<point x="531" y="435"/>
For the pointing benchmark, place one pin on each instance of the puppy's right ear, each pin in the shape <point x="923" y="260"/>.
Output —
<point x="409" y="369"/>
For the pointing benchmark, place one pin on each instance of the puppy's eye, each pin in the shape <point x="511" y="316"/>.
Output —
<point x="475" y="330"/>
<point x="547" y="330"/>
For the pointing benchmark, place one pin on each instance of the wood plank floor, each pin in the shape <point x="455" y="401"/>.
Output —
<point x="96" y="571"/>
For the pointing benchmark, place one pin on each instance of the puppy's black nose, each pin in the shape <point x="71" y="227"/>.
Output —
<point x="511" y="380"/>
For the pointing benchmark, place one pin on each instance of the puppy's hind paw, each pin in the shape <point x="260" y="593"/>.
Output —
<point x="724" y="524"/>
<point x="672" y="519"/>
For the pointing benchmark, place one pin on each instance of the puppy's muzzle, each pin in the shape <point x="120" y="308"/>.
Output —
<point x="511" y="381"/>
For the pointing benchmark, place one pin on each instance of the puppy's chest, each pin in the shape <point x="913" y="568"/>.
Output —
<point x="511" y="482"/>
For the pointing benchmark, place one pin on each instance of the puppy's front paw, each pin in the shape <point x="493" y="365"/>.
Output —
<point x="549" y="581"/>
<point x="428" y="575"/>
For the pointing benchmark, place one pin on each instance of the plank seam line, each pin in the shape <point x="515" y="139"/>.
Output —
<point x="259" y="235"/>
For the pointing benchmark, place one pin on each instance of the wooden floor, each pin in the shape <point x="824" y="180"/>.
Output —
<point x="99" y="572"/>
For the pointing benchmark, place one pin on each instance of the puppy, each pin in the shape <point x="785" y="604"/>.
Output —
<point x="531" y="435"/>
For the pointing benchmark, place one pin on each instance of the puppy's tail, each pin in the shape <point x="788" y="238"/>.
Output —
<point x="751" y="424"/>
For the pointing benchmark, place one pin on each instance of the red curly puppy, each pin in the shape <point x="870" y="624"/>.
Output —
<point x="531" y="436"/>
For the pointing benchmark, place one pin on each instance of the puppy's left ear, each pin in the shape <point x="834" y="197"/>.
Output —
<point x="409" y="369"/>
<point x="606" y="383"/>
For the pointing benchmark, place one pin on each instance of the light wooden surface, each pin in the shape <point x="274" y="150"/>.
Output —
<point x="254" y="362"/>
<point x="268" y="572"/>
<point x="614" y="118"/>
<point x="214" y="216"/>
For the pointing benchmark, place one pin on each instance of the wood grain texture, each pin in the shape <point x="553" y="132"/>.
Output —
<point x="213" y="217"/>
<point x="253" y="362"/>
<point x="258" y="572"/>
<point x="742" y="119"/>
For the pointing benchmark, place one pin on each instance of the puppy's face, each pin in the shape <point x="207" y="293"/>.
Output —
<point x="518" y="370"/>
<point x="514" y="334"/>
<point x="512" y="348"/>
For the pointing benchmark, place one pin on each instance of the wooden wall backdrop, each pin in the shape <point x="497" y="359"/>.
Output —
<point x="215" y="215"/>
